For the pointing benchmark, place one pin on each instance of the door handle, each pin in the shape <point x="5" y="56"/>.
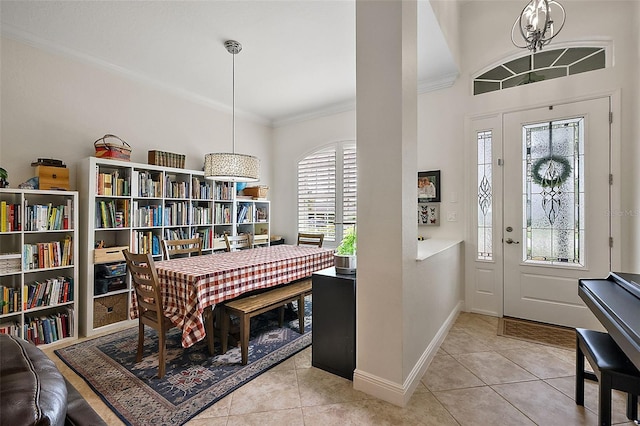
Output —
<point x="510" y="241"/>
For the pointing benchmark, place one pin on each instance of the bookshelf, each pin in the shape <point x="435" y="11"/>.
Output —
<point x="135" y="206"/>
<point x="38" y="257"/>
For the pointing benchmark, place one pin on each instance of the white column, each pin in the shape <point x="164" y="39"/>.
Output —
<point x="386" y="75"/>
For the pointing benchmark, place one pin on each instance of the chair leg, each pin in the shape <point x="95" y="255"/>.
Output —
<point x="301" y="313"/>
<point x="604" y="405"/>
<point x="632" y="406"/>
<point x="208" y="324"/>
<point x="161" y="354"/>
<point x="579" y="374"/>
<point x="140" y="341"/>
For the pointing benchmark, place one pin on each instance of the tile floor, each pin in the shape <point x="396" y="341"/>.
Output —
<point x="477" y="378"/>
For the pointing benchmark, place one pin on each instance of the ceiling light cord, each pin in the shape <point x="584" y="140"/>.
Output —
<point x="233" y="104"/>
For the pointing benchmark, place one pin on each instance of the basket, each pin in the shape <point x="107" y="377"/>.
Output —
<point x="256" y="191"/>
<point x="109" y="309"/>
<point x="117" y="150"/>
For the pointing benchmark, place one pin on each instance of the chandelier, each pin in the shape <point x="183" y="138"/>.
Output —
<point x="232" y="167"/>
<point x="535" y="24"/>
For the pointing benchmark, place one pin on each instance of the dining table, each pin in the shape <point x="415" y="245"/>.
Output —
<point x="190" y="285"/>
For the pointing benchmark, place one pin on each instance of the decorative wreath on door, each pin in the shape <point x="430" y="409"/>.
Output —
<point x="556" y="172"/>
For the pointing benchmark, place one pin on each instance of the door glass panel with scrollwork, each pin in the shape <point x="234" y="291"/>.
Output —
<point x="553" y="192"/>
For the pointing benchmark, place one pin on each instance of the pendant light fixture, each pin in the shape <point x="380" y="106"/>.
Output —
<point x="232" y="167"/>
<point x="535" y="24"/>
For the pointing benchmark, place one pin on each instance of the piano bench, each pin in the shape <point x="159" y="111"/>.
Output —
<point x="612" y="368"/>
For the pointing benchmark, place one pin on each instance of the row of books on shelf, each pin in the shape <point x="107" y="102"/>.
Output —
<point x="10" y="300"/>
<point x="222" y="213"/>
<point x="147" y="215"/>
<point x="48" y="255"/>
<point x="112" y="183"/>
<point x="145" y="242"/>
<point x="112" y="213"/>
<point x="225" y="191"/>
<point x="44" y="329"/>
<point x="49" y="328"/>
<point x="144" y="185"/>
<point x="200" y="190"/>
<point x="50" y="292"/>
<point x="47" y="217"/>
<point x="245" y="213"/>
<point x="176" y="189"/>
<point x="10" y="217"/>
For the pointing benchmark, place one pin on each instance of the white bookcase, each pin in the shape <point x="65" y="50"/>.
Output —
<point x="38" y="258"/>
<point x="136" y="206"/>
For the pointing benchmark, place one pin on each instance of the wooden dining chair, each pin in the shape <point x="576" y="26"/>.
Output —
<point x="144" y="279"/>
<point x="237" y="242"/>
<point x="259" y="240"/>
<point x="312" y="239"/>
<point x="182" y="247"/>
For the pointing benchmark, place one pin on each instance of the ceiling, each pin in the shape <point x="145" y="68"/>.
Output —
<point x="298" y="57"/>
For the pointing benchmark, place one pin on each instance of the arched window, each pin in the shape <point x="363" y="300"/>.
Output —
<point x="544" y="65"/>
<point x="327" y="185"/>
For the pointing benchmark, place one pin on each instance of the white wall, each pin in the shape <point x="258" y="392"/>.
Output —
<point x="56" y="107"/>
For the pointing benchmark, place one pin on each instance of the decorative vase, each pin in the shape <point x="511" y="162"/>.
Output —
<point x="345" y="264"/>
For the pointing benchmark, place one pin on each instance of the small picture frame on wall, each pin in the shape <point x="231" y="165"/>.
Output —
<point x="429" y="187"/>
<point x="429" y="214"/>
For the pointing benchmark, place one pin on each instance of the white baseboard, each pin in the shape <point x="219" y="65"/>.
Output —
<point x="400" y="394"/>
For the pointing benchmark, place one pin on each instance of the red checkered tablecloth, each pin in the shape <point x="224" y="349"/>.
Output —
<point x="191" y="284"/>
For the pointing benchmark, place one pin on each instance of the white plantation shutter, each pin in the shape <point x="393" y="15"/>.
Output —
<point x="349" y="184"/>
<point x="317" y="193"/>
<point x="327" y="187"/>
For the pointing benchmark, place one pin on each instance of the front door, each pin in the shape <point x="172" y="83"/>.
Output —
<point x="556" y="197"/>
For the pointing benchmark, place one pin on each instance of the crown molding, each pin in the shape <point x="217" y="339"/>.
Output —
<point x="34" y="41"/>
<point x="431" y="85"/>
<point x="424" y="86"/>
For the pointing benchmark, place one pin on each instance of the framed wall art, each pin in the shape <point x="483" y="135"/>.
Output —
<point x="429" y="214"/>
<point x="429" y="187"/>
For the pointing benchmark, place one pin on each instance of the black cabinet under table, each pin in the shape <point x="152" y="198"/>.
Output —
<point x="334" y="322"/>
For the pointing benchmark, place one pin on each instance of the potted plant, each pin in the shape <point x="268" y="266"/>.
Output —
<point x="345" y="255"/>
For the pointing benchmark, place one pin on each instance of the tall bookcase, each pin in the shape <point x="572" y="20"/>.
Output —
<point x="38" y="258"/>
<point x="136" y="206"/>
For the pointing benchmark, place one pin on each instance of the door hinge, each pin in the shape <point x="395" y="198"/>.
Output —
<point x="610" y="241"/>
<point x="610" y="179"/>
<point x="611" y="118"/>
<point x="500" y="162"/>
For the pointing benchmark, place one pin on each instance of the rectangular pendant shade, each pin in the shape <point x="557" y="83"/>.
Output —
<point x="228" y="167"/>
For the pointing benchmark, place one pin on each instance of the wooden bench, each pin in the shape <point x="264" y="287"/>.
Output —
<point x="612" y="368"/>
<point x="248" y="307"/>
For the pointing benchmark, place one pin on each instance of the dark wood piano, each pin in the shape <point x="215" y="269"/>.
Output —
<point x="616" y="303"/>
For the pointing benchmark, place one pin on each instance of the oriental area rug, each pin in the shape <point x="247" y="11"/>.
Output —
<point x="194" y="380"/>
<point x="536" y="332"/>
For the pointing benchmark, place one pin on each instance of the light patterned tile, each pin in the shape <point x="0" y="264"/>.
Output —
<point x="318" y="387"/>
<point x="480" y="406"/>
<point x="423" y="409"/>
<point x="445" y="372"/>
<point x="273" y="390"/>
<point x="290" y="417"/>
<point x="567" y="385"/>
<point x="544" y="404"/>
<point x="460" y="342"/>
<point x="540" y="361"/>
<point x="493" y="368"/>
